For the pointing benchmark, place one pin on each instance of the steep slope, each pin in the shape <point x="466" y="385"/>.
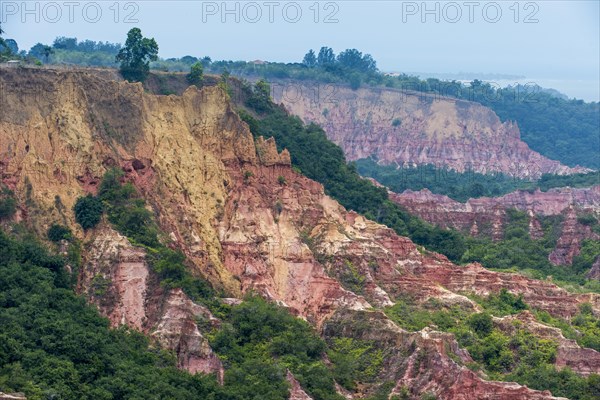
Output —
<point x="411" y="128"/>
<point x="244" y="218"/>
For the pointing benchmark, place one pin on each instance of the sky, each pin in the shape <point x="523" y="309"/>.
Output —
<point x="549" y="41"/>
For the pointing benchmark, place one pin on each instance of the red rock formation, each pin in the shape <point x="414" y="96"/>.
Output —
<point x="433" y="130"/>
<point x="594" y="272"/>
<point x="535" y="228"/>
<point x="177" y="329"/>
<point x="490" y="212"/>
<point x="569" y="242"/>
<point x="118" y="280"/>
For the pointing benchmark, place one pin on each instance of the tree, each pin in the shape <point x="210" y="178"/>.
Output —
<point x="351" y="59"/>
<point x="8" y="207"/>
<point x="260" y="100"/>
<point x="135" y="57"/>
<point x="326" y="57"/>
<point x="8" y="46"/>
<point x="206" y="61"/>
<point x="37" y="51"/>
<point x="88" y="211"/>
<point x="310" y="59"/>
<point x="195" y="77"/>
<point x="65" y="43"/>
<point x="12" y="45"/>
<point x="188" y="59"/>
<point x="481" y="323"/>
<point x="354" y="60"/>
<point x="355" y="81"/>
<point x="48" y="51"/>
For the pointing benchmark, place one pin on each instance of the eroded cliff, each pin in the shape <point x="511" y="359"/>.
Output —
<point x="245" y="220"/>
<point x="487" y="216"/>
<point x="410" y="128"/>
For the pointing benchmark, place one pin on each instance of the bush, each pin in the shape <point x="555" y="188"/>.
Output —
<point x="57" y="232"/>
<point x="8" y="204"/>
<point x="481" y="323"/>
<point x="88" y="211"/>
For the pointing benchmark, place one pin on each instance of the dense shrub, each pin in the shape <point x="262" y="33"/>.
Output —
<point x="481" y="323"/>
<point x="88" y="211"/>
<point x="8" y="204"/>
<point x="53" y="345"/>
<point x="260" y="341"/>
<point x="57" y="232"/>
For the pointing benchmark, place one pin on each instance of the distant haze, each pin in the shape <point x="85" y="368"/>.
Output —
<point x="544" y="40"/>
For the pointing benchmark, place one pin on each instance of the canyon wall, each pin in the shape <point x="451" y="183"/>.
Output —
<point x="411" y="128"/>
<point x="487" y="216"/>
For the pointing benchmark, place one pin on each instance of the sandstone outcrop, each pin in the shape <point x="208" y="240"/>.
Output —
<point x="119" y="281"/>
<point x="243" y="217"/>
<point x="410" y="128"/>
<point x="12" y="396"/>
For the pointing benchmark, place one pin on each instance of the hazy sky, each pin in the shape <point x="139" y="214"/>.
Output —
<point x="541" y="39"/>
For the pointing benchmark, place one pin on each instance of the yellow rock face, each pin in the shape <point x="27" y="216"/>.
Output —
<point x="61" y="131"/>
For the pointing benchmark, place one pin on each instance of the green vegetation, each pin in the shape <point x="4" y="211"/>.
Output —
<point x="350" y="277"/>
<point x="590" y="251"/>
<point x="259" y="342"/>
<point x="414" y="318"/>
<point x="196" y="75"/>
<point x="350" y="67"/>
<point x="501" y="304"/>
<point x="57" y="232"/>
<point x="259" y="97"/>
<point x="518" y="356"/>
<point x="584" y="327"/>
<point x="8" y="203"/>
<point x="88" y="211"/>
<point x="135" y="57"/>
<point x="578" y="180"/>
<point x="518" y="252"/>
<point x="355" y="361"/>
<point x="53" y="345"/>
<point x="465" y="185"/>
